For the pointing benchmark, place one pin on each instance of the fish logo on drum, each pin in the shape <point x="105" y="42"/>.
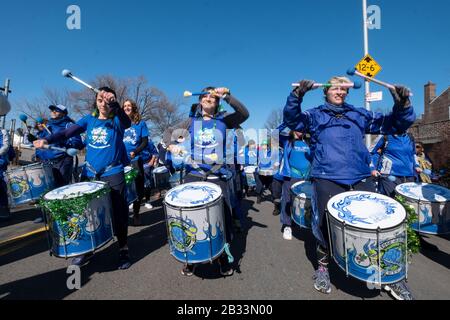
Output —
<point x="18" y="187"/>
<point x="391" y="256"/>
<point x="183" y="234"/>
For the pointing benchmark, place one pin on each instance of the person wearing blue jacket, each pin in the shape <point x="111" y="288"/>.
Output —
<point x="248" y="156"/>
<point x="4" y="160"/>
<point x="61" y="162"/>
<point x="206" y="160"/>
<point x="136" y="140"/>
<point x="393" y="161"/>
<point x="268" y="160"/>
<point x="105" y="160"/>
<point x="340" y="159"/>
<point x="295" y="167"/>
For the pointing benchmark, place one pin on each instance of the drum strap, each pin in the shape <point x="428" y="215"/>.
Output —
<point x="101" y="172"/>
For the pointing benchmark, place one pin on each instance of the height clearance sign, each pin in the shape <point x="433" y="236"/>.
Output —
<point x="368" y="66"/>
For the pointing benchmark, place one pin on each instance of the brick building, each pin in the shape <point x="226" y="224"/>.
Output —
<point x="433" y="128"/>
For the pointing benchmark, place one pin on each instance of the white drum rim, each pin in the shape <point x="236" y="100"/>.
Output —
<point x="160" y="170"/>
<point x="127" y="169"/>
<point x="73" y="196"/>
<point x="421" y="200"/>
<point x="374" y="227"/>
<point x="300" y="195"/>
<point x="171" y="204"/>
<point x="250" y="167"/>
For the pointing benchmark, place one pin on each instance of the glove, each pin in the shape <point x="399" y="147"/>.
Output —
<point x="401" y="96"/>
<point x="305" y="86"/>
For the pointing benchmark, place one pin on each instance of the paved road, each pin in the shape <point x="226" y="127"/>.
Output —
<point x="268" y="267"/>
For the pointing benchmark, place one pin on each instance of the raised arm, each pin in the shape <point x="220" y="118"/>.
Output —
<point x="293" y="116"/>
<point x="233" y="120"/>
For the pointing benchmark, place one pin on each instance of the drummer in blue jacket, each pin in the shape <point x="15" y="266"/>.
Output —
<point x="295" y="167"/>
<point x="248" y="156"/>
<point x="269" y="162"/>
<point x="340" y="159"/>
<point x="393" y="161"/>
<point x="61" y="162"/>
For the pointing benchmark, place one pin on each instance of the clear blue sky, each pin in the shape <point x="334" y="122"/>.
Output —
<point x="255" y="48"/>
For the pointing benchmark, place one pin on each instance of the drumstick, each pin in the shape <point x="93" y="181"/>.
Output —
<point x="41" y="122"/>
<point x="354" y="85"/>
<point x="190" y="94"/>
<point x="353" y="71"/>
<point x="71" y="152"/>
<point x="68" y="74"/>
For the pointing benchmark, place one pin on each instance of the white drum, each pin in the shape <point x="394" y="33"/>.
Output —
<point x="130" y="179"/>
<point x="431" y="203"/>
<point x="161" y="176"/>
<point x="79" y="218"/>
<point x="368" y="236"/>
<point x="250" y="175"/>
<point x="195" y="222"/>
<point x="301" y="207"/>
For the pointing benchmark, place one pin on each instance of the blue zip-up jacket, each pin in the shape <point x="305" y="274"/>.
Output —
<point x="397" y="157"/>
<point x="56" y="126"/>
<point x="296" y="161"/>
<point x="337" y="136"/>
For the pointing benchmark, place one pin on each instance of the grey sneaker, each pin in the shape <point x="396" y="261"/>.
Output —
<point x="322" y="280"/>
<point x="399" y="290"/>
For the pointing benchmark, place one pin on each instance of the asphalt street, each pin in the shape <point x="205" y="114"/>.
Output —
<point x="267" y="267"/>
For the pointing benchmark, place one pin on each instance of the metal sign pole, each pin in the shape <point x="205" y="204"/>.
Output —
<point x="366" y="52"/>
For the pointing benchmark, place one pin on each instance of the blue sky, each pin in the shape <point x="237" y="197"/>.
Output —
<point x="255" y="48"/>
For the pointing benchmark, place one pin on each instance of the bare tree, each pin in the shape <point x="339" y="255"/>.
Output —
<point x="274" y="120"/>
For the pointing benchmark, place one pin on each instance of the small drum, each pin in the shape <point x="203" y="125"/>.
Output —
<point x="250" y="175"/>
<point x="267" y="172"/>
<point x="161" y="177"/>
<point x="195" y="222"/>
<point x="368" y="236"/>
<point x="79" y="218"/>
<point x="29" y="183"/>
<point x="301" y="206"/>
<point x="130" y="179"/>
<point x="431" y="203"/>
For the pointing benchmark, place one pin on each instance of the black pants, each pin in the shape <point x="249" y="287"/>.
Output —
<point x="62" y="171"/>
<point x="119" y="206"/>
<point x="387" y="186"/>
<point x="323" y="191"/>
<point x="139" y="182"/>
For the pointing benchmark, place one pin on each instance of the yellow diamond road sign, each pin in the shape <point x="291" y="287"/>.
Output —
<point x="368" y="66"/>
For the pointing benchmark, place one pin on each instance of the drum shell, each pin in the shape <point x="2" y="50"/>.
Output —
<point x="301" y="210"/>
<point x="209" y="241"/>
<point x="361" y="251"/>
<point x="250" y="175"/>
<point x="174" y="179"/>
<point x="29" y="183"/>
<point x="433" y="216"/>
<point x="161" y="178"/>
<point x="86" y="233"/>
<point x="132" y="195"/>
<point x="266" y="172"/>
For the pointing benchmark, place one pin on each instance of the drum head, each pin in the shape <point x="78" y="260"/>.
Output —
<point x="423" y="191"/>
<point x="75" y="190"/>
<point x="302" y="189"/>
<point x="193" y="194"/>
<point x="160" y="170"/>
<point x="366" y="210"/>
<point x="250" y="169"/>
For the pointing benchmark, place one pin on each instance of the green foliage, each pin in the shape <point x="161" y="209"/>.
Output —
<point x="413" y="238"/>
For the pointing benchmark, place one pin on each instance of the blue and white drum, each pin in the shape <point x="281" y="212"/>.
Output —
<point x="131" y="186"/>
<point x="79" y="218"/>
<point x="431" y="203"/>
<point x="29" y="183"/>
<point x="368" y="236"/>
<point x="301" y="206"/>
<point x="195" y="222"/>
<point x="250" y="175"/>
<point x="266" y="172"/>
<point x="161" y="176"/>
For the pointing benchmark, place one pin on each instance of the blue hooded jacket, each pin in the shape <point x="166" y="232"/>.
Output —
<point x="56" y="126"/>
<point x="337" y="136"/>
<point x="397" y="156"/>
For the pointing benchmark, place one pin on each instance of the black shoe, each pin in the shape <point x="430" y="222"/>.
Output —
<point x="225" y="269"/>
<point x="124" y="260"/>
<point x="81" y="260"/>
<point x="258" y="199"/>
<point x="276" y="210"/>
<point x="188" y="270"/>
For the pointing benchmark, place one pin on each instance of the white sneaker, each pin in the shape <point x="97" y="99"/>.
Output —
<point x="287" y="233"/>
<point x="130" y="207"/>
<point x="148" y="205"/>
